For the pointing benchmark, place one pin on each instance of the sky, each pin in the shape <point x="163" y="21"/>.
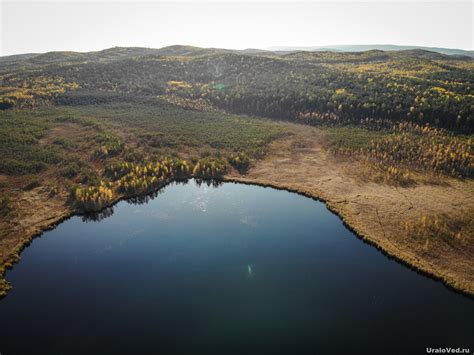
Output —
<point x="38" y="26"/>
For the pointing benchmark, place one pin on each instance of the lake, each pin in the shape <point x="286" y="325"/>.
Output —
<point x="233" y="269"/>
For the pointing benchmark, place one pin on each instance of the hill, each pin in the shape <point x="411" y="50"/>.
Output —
<point x="368" y="47"/>
<point x="310" y="87"/>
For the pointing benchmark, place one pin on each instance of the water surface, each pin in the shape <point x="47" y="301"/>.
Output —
<point x="230" y="270"/>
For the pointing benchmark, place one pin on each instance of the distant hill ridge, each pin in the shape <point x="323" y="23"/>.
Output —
<point x="367" y="47"/>
<point x="117" y="53"/>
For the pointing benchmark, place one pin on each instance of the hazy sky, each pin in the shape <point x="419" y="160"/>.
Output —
<point x="38" y="26"/>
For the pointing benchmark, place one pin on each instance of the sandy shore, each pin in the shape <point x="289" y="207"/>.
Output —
<point x="376" y="212"/>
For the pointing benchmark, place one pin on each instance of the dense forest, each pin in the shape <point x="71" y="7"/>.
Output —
<point x="331" y="88"/>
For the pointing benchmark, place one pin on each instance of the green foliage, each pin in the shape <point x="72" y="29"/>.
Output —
<point x="32" y="184"/>
<point x="317" y="87"/>
<point x="403" y="148"/>
<point x="33" y="140"/>
<point x="210" y="167"/>
<point x="423" y="148"/>
<point x="143" y="178"/>
<point x="93" y="198"/>
<point x="172" y="127"/>
<point x="350" y="138"/>
<point x="240" y="161"/>
<point x="110" y="146"/>
<point x="6" y="205"/>
<point x="20" y="149"/>
<point x="33" y="91"/>
<point x="89" y="176"/>
<point x="71" y="116"/>
<point x="65" y="143"/>
<point x="132" y="155"/>
<point x="71" y="171"/>
<point x="130" y="179"/>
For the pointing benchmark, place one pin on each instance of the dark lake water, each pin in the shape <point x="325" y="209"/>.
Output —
<point x="235" y="269"/>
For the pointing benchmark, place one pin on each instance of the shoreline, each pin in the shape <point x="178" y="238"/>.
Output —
<point x="387" y="252"/>
<point x="422" y="267"/>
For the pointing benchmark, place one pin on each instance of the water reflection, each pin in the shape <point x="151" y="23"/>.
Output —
<point x="144" y="199"/>
<point x="208" y="182"/>
<point x="98" y="216"/>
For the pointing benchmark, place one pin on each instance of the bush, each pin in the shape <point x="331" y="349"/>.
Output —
<point x="6" y="205"/>
<point x="93" y="198"/>
<point x="456" y="226"/>
<point x="109" y="146"/>
<point x="33" y="184"/>
<point x="71" y="171"/>
<point x="210" y="167"/>
<point x="240" y="162"/>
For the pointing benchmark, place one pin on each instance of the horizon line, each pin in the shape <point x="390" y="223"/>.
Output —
<point x="273" y="48"/>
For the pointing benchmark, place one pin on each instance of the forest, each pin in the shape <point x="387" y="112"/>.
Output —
<point x="308" y="87"/>
<point x="129" y="120"/>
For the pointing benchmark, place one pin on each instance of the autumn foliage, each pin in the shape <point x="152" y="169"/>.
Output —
<point x="94" y="198"/>
<point x="210" y="167"/>
<point x="456" y="227"/>
<point x="416" y="147"/>
<point x="133" y="179"/>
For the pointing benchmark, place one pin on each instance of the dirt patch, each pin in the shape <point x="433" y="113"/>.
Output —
<point x="35" y="211"/>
